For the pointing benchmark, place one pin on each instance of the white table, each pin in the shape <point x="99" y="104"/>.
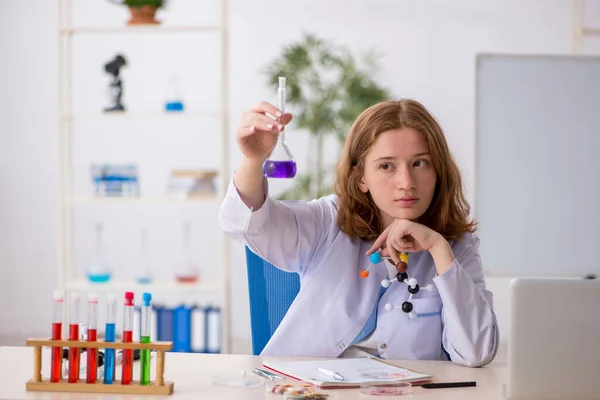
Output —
<point x="193" y="377"/>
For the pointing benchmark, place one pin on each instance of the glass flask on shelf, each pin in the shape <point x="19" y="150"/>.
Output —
<point x="174" y="95"/>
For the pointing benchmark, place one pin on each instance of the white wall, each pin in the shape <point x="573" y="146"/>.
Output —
<point x="28" y="164"/>
<point x="429" y="49"/>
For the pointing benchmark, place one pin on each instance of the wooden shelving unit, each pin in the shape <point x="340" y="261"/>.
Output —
<point x="67" y="118"/>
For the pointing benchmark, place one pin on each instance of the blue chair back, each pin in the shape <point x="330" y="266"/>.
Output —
<point x="271" y="292"/>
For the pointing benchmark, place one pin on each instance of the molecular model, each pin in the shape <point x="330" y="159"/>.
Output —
<point x="401" y="277"/>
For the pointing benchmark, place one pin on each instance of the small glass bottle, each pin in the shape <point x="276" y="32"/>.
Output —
<point x="144" y="274"/>
<point x="186" y="270"/>
<point x="174" y="96"/>
<point x="98" y="272"/>
<point x="281" y="163"/>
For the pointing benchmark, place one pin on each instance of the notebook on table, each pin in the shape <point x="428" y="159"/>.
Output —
<point x="354" y="371"/>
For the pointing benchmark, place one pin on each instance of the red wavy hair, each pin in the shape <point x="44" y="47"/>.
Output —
<point x="358" y="216"/>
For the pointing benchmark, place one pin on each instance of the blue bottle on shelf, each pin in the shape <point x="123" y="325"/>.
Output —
<point x="182" y="329"/>
<point x="164" y="323"/>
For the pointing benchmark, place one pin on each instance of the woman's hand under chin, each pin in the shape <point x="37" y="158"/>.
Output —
<point x="405" y="236"/>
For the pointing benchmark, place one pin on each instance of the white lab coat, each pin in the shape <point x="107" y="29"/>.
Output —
<point x="335" y="302"/>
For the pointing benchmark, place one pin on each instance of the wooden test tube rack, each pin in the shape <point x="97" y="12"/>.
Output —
<point x="156" y="387"/>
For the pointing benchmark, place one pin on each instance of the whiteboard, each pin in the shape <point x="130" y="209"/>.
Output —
<point x="537" y="157"/>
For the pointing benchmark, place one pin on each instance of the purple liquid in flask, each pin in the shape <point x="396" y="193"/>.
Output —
<point x="281" y="163"/>
<point x="280" y="169"/>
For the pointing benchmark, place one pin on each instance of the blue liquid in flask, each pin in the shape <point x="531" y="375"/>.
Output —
<point x="174" y="98"/>
<point x="174" y="106"/>
<point x="99" y="278"/>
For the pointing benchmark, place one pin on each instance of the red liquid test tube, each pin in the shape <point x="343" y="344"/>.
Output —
<point x="92" y="332"/>
<point x="74" y="335"/>
<point x="127" y="370"/>
<point x="56" y="353"/>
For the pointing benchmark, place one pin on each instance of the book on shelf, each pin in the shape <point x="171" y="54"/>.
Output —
<point x="192" y="183"/>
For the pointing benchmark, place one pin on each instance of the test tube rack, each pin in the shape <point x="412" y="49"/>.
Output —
<point x="156" y="387"/>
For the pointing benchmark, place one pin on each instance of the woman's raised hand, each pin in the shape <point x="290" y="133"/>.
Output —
<point x="258" y="130"/>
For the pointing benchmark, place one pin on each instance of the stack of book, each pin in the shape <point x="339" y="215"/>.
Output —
<point x="120" y="180"/>
<point x="190" y="183"/>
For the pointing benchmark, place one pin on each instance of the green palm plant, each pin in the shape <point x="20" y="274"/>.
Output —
<point x="140" y="3"/>
<point x="327" y="88"/>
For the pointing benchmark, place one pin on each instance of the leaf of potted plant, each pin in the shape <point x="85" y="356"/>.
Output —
<point x="142" y="12"/>
<point x="328" y="87"/>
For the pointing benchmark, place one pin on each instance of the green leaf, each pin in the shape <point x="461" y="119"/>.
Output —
<point x="327" y="88"/>
<point x="140" y="3"/>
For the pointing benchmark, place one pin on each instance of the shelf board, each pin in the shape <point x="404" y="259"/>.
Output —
<point x="164" y="199"/>
<point x="591" y="31"/>
<point x="140" y="29"/>
<point x="144" y="115"/>
<point x="156" y="286"/>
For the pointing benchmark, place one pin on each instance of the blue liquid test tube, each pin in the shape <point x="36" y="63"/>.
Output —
<point x="110" y="333"/>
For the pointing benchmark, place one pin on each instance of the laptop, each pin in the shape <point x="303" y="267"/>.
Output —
<point x="554" y="344"/>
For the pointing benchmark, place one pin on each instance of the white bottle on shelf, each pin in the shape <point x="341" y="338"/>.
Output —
<point x="98" y="271"/>
<point x="144" y="273"/>
<point x="186" y="270"/>
<point x="213" y="331"/>
<point x="198" y="329"/>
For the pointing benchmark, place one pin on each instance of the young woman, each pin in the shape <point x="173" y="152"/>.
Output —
<point x="398" y="190"/>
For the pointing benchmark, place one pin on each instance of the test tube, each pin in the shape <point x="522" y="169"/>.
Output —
<point x="127" y="369"/>
<point x="74" y="335"/>
<point x="110" y="328"/>
<point x="56" y="368"/>
<point x="92" y="333"/>
<point x="145" y="338"/>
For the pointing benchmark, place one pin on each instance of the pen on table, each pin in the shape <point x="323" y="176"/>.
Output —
<point x="331" y="374"/>
<point x="267" y="374"/>
<point x="444" y="385"/>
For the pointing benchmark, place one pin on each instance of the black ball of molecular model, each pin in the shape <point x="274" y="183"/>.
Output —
<point x="402" y="276"/>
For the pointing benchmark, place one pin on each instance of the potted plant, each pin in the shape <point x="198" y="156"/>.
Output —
<point x="142" y="11"/>
<point x="327" y="88"/>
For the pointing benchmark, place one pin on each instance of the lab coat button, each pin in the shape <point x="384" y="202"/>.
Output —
<point x="342" y="346"/>
<point x="383" y="346"/>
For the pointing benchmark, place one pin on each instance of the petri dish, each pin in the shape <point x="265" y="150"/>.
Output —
<point x="383" y="374"/>
<point x="386" y="389"/>
<point x="236" y="381"/>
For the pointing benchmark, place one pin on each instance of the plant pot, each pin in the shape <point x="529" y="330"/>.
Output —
<point x="143" y="15"/>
